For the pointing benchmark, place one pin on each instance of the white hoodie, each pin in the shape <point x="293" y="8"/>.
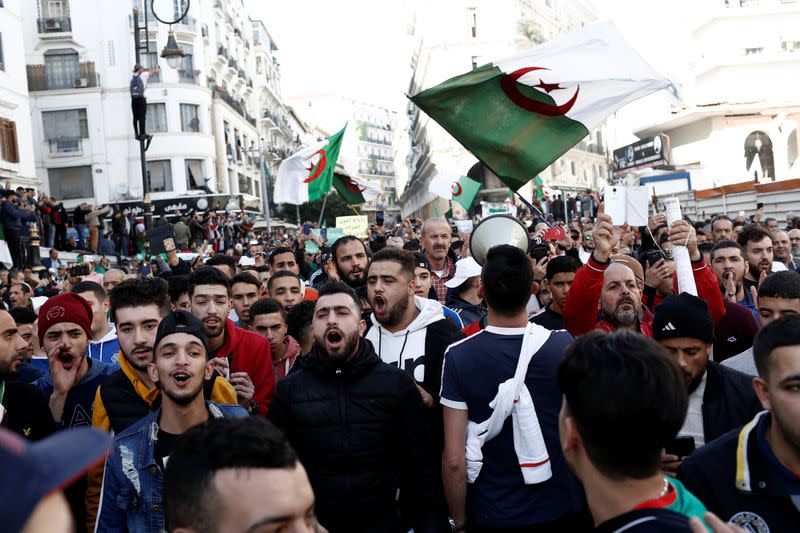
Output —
<point x="407" y="344"/>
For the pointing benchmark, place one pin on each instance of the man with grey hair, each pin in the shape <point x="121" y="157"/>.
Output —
<point x="790" y="216"/>
<point x="435" y="241"/>
<point x="794" y="241"/>
<point x="782" y="250"/>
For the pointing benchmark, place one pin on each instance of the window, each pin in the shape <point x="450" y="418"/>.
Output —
<point x="787" y="46"/>
<point x="572" y="167"/>
<point x="190" y="120"/>
<point x="257" y="189"/>
<point x="474" y="62"/>
<point x="159" y="174"/>
<point x="151" y="61"/>
<point x="64" y="129"/>
<point x="759" y="159"/>
<point x="9" y="150"/>
<point x="753" y="51"/>
<point x="245" y="184"/>
<point x="71" y="182"/>
<point x="2" y="59"/>
<point x="186" y="68"/>
<point x="194" y="175"/>
<point x="55" y="9"/>
<point x="61" y="68"/>
<point x="156" y="118"/>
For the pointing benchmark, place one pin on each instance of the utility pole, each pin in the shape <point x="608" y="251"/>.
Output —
<point x="139" y="47"/>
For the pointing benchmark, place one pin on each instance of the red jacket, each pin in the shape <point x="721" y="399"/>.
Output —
<point x="580" y="312"/>
<point x="249" y="352"/>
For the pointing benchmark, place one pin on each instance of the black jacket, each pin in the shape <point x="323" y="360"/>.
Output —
<point x="468" y="312"/>
<point x="357" y="428"/>
<point x="735" y="479"/>
<point x="729" y="401"/>
<point x="27" y="411"/>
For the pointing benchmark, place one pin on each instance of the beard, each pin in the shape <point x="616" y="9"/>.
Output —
<point x="344" y="350"/>
<point x="755" y="270"/>
<point x="393" y="314"/>
<point x="354" y="280"/>
<point x="620" y="317"/>
<point x="694" y="382"/>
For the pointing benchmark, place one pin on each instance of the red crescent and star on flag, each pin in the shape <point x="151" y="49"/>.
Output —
<point x="353" y="186"/>
<point x="320" y="168"/>
<point x="509" y="85"/>
<point x="456" y="189"/>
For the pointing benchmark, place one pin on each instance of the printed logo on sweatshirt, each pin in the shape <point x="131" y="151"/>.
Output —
<point x="750" y="522"/>
<point x="80" y="418"/>
<point x="414" y="366"/>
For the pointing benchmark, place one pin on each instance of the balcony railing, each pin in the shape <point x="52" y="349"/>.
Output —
<point x="387" y="127"/>
<point x="66" y="145"/>
<point x="374" y="172"/>
<point x="235" y="104"/>
<point x="37" y="80"/>
<point x="54" y="24"/>
<point x="241" y="74"/>
<point x="381" y="157"/>
<point x="377" y="141"/>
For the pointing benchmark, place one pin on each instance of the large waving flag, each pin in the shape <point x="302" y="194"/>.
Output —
<point x="520" y="114"/>
<point x="451" y="186"/>
<point x="355" y="190"/>
<point x="307" y="175"/>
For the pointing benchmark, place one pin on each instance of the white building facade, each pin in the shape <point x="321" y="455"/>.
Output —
<point x="16" y="143"/>
<point x="205" y="115"/>
<point x="742" y="107"/>
<point x="453" y="37"/>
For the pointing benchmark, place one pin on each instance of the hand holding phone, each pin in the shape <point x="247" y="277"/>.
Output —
<point x="554" y="234"/>
<point x="161" y="239"/>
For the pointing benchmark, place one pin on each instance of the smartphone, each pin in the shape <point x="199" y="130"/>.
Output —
<point x="306" y="228"/>
<point x="540" y="251"/>
<point x="759" y="205"/>
<point x="161" y="239"/>
<point x="80" y="269"/>
<point x="554" y="234"/>
<point x="614" y="205"/>
<point x="653" y="256"/>
<point x="379" y="218"/>
<point x="681" y="446"/>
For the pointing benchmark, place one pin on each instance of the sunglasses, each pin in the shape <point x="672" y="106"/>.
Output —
<point x="587" y="237"/>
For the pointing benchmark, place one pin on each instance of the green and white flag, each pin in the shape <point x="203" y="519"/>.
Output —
<point x="520" y="114"/>
<point x="307" y="175"/>
<point x="451" y="186"/>
<point x="355" y="190"/>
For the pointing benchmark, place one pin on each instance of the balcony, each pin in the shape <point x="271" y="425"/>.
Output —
<point x="386" y="127"/>
<point x="65" y="146"/>
<point x="86" y="77"/>
<point x="222" y="52"/>
<point x="54" y="25"/>
<point x="376" y="140"/>
<point x="241" y="74"/>
<point x="376" y="172"/>
<point x="236" y="105"/>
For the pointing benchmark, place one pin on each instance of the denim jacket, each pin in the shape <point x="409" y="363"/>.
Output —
<point x="132" y="482"/>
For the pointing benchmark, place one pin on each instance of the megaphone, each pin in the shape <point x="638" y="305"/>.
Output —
<point x="495" y="230"/>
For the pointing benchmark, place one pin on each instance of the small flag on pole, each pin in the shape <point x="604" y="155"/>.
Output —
<point x="450" y="186"/>
<point x="355" y="190"/>
<point x="307" y="175"/>
<point x="520" y="114"/>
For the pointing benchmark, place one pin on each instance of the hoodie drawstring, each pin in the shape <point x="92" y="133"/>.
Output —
<point x="402" y="348"/>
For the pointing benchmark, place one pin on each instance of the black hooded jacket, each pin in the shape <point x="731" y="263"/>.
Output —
<point x="357" y="428"/>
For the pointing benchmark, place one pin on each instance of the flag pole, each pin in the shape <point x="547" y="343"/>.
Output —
<point x="324" y="202"/>
<point x="354" y="210"/>
<point x="533" y="209"/>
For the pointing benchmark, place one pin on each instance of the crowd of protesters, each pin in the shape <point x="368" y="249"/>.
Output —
<point x="392" y="383"/>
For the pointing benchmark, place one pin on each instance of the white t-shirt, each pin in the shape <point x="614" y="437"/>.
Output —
<point x="693" y="424"/>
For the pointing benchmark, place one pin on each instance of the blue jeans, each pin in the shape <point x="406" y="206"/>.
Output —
<point x="80" y="228"/>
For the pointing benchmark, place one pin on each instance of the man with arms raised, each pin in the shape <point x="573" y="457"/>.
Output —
<point x="435" y="241"/>
<point x="139" y="455"/>
<point x="242" y="356"/>
<point x="357" y="458"/>
<point x="269" y="320"/>
<point x="749" y="476"/>
<point x="237" y="475"/>
<point x="612" y="287"/>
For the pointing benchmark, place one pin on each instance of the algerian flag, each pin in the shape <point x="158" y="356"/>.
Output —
<point x="520" y="114"/>
<point x="355" y="190"/>
<point x="451" y="186"/>
<point x="538" y="188"/>
<point x="307" y="175"/>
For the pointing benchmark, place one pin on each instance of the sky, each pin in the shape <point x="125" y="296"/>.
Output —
<point x="356" y="48"/>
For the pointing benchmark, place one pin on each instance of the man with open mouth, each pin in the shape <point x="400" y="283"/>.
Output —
<point x="357" y="426"/>
<point x="139" y="455"/>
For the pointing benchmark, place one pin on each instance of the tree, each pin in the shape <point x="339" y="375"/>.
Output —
<point x="335" y="207"/>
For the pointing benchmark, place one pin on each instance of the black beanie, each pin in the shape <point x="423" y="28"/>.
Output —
<point x="683" y="315"/>
<point x="180" y="321"/>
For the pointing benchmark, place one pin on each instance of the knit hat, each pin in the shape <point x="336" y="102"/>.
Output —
<point x="67" y="307"/>
<point x="180" y="321"/>
<point x="683" y="315"/>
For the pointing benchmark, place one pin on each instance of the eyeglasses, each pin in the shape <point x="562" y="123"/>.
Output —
<point x="587" y="237"/>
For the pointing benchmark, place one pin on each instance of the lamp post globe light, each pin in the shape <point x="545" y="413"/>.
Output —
<point x="173" y="54"/>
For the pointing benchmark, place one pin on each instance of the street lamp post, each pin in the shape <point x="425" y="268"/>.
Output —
<point x="264" y="186"/>
<point x="173" y="54"/>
